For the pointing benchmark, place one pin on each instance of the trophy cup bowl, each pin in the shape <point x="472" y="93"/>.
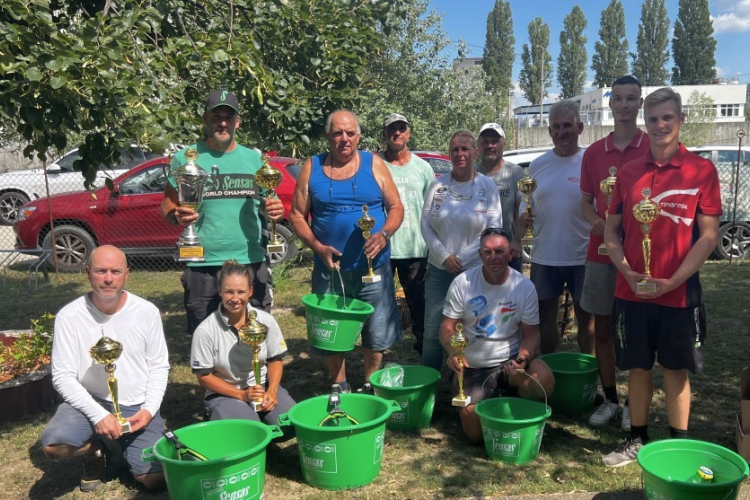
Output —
<point x="254" y="333"/>
<point x="191" y="180"/>
<point x="527" y="185"/>
<point x="269" y="179"/>
<point x="646" y="211"/>
<point x="106" y="351"/>
<point x="459" y="342"/>
<point x="366" y="223"/>
<point x="607" y="187"/>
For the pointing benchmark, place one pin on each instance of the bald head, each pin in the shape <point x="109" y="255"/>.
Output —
<point x="107" y="252"/>
<point x="108" y="272"/>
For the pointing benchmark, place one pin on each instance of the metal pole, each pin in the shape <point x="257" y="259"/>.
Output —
<point x="740" y="135"/>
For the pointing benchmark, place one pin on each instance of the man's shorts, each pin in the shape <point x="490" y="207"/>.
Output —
<point x="598" y="295"/>
<point x="71" y="427"/>
<point x="550" y="281"/>
<point x="645" y="333"/>
<point x="483" y="383"/>
<point x="383" y="327"/>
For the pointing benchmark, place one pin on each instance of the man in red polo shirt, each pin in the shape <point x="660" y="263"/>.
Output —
<point x="668" y="322"/>
<point x="626" y="143"/>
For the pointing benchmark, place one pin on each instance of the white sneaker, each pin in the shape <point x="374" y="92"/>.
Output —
<point x="627" y="453"/>
<point x="625" y="419"/>
<point x="606" y="413"/>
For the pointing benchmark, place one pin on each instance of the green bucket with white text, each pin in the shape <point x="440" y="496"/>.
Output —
<point x="512" y="428"/>
<point x="416" y="396"/>
<point x="576" y="379"/>
<point x="334" y="322"/>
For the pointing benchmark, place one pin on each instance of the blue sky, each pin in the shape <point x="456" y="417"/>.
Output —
<point x="467" y="20"/>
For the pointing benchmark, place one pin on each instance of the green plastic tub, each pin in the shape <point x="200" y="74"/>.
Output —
<point x="416" y="397"/>
<point x="576" y="378"/>
<point x="334" y="323"/>
<point x="670" y="465"/>
<point x="337" y="458"/>
<point x="236" y="465"/>
<point x="512" y="428"/>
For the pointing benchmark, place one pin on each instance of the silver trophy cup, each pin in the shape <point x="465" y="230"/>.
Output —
<point x="190" y="179"/>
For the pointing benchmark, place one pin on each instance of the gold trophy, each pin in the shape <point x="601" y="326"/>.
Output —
<point x="527" y="185"/>
<point x="190" y="179"/>
<point x="254" y="333"/>
<point x="105" y="352"/>
<point x="607" y="187"/>
<point x="459" y="342"/>
<point x="366" y="222"/>
<point x="646" y="211"/>
<point x="269" y="179"/>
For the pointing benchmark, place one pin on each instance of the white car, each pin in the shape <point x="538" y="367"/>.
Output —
<point x="524" y="157"/>
<point x="21" y="186"/>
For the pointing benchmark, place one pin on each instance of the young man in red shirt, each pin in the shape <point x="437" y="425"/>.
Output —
<point x="665" y="320"/>
<point x="626" y="143"/>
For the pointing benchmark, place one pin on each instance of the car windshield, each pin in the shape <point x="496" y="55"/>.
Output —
<point x="150" y="180"/>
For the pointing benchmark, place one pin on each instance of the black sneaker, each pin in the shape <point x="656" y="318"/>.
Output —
<point x="625" y="454"/>
<point x="94" y="468"/>
<point x="366" y="389"/>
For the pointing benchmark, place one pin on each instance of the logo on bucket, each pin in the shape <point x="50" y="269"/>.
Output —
<point x="400" y="417"/>
<point x="503" y="443"/>
<point x="652" y="494"/>
<point x="318" y="457"/>
<point x="589" y="393"/>
<point x="323" y="329"/>
<point x="243" y="485"/>
<point x="378" y="454"/>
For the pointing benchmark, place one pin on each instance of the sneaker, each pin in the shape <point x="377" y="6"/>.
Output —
<point x="599" y="398"/>
<point x="94" y="467"/>
<point x="605" y="414"/>
<point x="625" y="425"/>
<point x="341" y="388"/>
<point x="625" y="454"/>
<point x="366" y="389"/>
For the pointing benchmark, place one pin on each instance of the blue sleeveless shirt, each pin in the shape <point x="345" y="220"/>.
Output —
<point x="336" y="206"/>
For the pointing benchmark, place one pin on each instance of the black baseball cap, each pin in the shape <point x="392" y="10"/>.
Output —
<point x="222" y="98"/>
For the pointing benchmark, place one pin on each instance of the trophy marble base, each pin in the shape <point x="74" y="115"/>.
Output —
<point x="603" y="250"/>
<point x="275" y="247"/>
<point x="124" y="426"/>
<point x="370" y="278"/>
<point x="256" y="405"/>
<point x="462" y="402"/>
<point x="645" y="287"/>
<point x="190" y="254"/>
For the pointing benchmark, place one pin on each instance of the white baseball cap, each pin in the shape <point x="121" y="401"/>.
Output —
<point x="493" y="126"/>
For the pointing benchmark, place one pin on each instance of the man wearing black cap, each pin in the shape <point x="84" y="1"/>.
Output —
<point x="229" y="220"/>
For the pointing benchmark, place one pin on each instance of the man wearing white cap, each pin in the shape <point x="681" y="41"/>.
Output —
<point x="412" y="176"/>
<point x="506" y="175"/>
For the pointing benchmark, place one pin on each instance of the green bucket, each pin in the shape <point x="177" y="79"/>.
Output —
<point x="416" y="398"/>
<point x="337" y="458"/>
<point x="512" y="428"/>
<point x="576" y="377"/>
<point x="236" y="465"/>
<point x="333" y="322"/>
<point x="670" y="465"/>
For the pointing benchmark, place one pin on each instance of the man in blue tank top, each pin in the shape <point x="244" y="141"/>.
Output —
<point x="331" y="190"/>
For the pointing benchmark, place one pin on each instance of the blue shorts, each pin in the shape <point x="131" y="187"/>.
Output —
<point x="71" y="427"/>
<point x="383" y="328"/>
<point x="550" y="281"/>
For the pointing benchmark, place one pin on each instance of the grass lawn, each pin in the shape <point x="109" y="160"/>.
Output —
<point x="432" y="463"/>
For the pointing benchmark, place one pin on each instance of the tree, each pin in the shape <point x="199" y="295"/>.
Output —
<point x="700" y="115"/>
<point x="571" y="63"/>
<point x="693" y="45"/>
<point x="536" y="74"/>
<point x="651" y="55"/>
<point x="610" y="59"/>
<point x="499" y="50"/>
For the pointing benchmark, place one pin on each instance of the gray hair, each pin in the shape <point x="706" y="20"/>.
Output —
<point x="664" y="94"/>
<point x="341" y="110"/>
<point x="565" y="107"/>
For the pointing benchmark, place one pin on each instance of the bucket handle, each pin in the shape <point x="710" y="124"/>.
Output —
<point x="275" y="431"/>
<point x="395" y="406"/>
<point x="283" y="420"/>
<point x="341" y="280"/>
<point x="527" y="374"/>
<point x="147" y="454"/>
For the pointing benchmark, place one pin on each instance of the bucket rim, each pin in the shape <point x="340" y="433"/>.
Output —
<point x="577" y="355"/>
<point x="409" y="388"/>
<point x="354" y="427"/>
<point x="245" y="453"/>
<point x="478" y="409"/>
<point x="684" y="445"/>
<point x="348" y="301"/>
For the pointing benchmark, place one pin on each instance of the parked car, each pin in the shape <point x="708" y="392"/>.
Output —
<point x="439" y="162"/>
<point x="20" y="186"/>
<point x="735" y="240"/>
<point x="127" y="216"/>
<point x="524" y="157"/>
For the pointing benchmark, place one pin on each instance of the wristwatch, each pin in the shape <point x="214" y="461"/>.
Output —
<point x="386" y="236"/>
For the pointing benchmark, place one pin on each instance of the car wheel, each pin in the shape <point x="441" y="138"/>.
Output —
<point x="734" y="241"/>
<point x="73" y="246"/>
<point x="10" y="202"/>
<point x="290" y="246"/>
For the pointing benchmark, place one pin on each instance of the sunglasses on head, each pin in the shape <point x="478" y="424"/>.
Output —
<point x="494" y="230"/>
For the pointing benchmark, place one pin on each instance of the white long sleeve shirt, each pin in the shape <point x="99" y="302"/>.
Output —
<point x="141" y="371"/>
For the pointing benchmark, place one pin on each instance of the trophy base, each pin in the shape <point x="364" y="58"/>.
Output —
<point x="370" y="278"/>
<point x="125" y="427"/>
<point x="528" y="241"/>
<point x="190" y="254"/>
<point x="603" y="250"/>
<point x="256" y="405"/>
<point x="645" y="287"/>
<point x="462" y="402"/>
<point x="275" y="248"/>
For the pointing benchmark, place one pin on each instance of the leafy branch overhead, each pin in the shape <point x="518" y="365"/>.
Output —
<point x="138" y="71"/>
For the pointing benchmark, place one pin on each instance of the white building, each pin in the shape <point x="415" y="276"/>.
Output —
<point x="729" y="102"/>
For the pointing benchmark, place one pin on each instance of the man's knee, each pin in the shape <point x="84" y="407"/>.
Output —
<point x="60" y="451"/>
<point x="471" y="424"/>
<point x="153" y="481"/>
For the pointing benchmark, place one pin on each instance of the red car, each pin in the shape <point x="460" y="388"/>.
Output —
<point x="439" y="162"/>
<point x="127" y="217"/>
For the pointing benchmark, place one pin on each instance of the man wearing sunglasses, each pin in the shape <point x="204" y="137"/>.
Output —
<point x="499" y="309"/>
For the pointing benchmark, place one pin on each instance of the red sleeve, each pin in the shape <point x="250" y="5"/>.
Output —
<point x="710" y="199"/>
<point x="615" y="203"/>
<point x="587" y="174"/>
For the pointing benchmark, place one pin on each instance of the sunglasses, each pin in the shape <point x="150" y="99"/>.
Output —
<point x="494" y="230"/>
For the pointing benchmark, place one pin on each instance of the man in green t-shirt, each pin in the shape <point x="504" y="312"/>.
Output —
<point x="412" y="176"/>
<point x="231" y="217"/>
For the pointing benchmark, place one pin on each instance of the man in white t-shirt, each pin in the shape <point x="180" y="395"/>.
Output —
<point x="85" y="417"/>
<point x="558" y="255"/>
<point x="412" y="176"/>
<point x="499" y="310"/>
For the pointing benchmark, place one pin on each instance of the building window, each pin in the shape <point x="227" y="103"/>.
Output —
<point x="728" y="110"/>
